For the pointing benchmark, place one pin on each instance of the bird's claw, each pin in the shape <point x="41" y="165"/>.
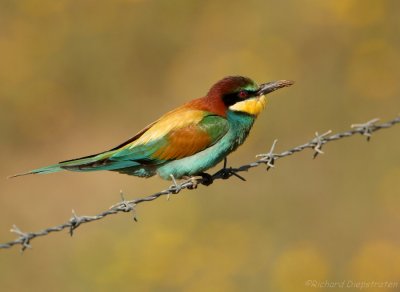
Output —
<point x="206" y="179"/>
<point x="227" y="172"/>
<point x="203" y="178"/>
<point x="191" y="182"/>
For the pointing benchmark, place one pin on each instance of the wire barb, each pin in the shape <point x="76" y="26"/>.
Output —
<point x="319" y="141"/>
<point x="24" y="238"/>
<point x="125" y="206"/>
<point x="269" y="159"/>
<point x="366" y="129"/>
<point x="74" y="221"/>
<point x="175" y="188"/>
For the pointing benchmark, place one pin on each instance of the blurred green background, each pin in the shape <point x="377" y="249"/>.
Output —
<point x="78" y="77"/>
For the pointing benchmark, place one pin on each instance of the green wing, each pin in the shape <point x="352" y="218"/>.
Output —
<point x="177" y="143"/>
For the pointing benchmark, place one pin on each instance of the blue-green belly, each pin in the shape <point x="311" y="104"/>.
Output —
<point x="239" y="127"/>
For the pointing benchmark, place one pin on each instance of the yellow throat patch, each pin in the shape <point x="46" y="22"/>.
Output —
<point x="252" y="106"/>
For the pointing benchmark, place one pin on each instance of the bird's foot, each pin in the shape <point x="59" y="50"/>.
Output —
<point x="206" y="179"/>
<point x="227" y="172"/>
<point x="191" y="181"/>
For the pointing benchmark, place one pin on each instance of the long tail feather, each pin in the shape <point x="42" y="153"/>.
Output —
<point x="42" y="170"/>
<point x="88" y="163"/>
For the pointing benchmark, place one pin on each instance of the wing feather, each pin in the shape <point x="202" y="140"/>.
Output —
<point x="174" y="137"/>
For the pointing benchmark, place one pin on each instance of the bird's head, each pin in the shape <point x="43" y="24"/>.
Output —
<point x="241" y="94"/>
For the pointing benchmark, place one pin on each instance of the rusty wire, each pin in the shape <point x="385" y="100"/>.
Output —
<point x="269" y="159"/>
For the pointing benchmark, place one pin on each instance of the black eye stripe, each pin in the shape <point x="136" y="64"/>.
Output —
<point x="231" y="98"/>
<point x="234" y="97"/>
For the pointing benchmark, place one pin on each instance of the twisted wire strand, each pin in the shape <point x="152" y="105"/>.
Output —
<point x="24" y="238"/>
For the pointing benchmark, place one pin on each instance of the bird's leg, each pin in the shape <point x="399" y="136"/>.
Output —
<point x="227" y="172"/>
<point x="225" y="169"/>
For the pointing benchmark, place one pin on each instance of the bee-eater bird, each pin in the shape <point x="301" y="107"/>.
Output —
<point x="186" y="141"/>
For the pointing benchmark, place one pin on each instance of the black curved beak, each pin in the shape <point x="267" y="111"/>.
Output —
<point x="272" y="86"/>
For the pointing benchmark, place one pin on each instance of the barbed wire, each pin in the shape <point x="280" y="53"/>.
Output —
<point x="269" y="159"/>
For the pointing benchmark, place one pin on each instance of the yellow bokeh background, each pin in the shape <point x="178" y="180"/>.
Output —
<point x="79" y="77"/>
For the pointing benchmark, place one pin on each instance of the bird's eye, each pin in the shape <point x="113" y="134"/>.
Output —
<point x="243" y="94"/>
